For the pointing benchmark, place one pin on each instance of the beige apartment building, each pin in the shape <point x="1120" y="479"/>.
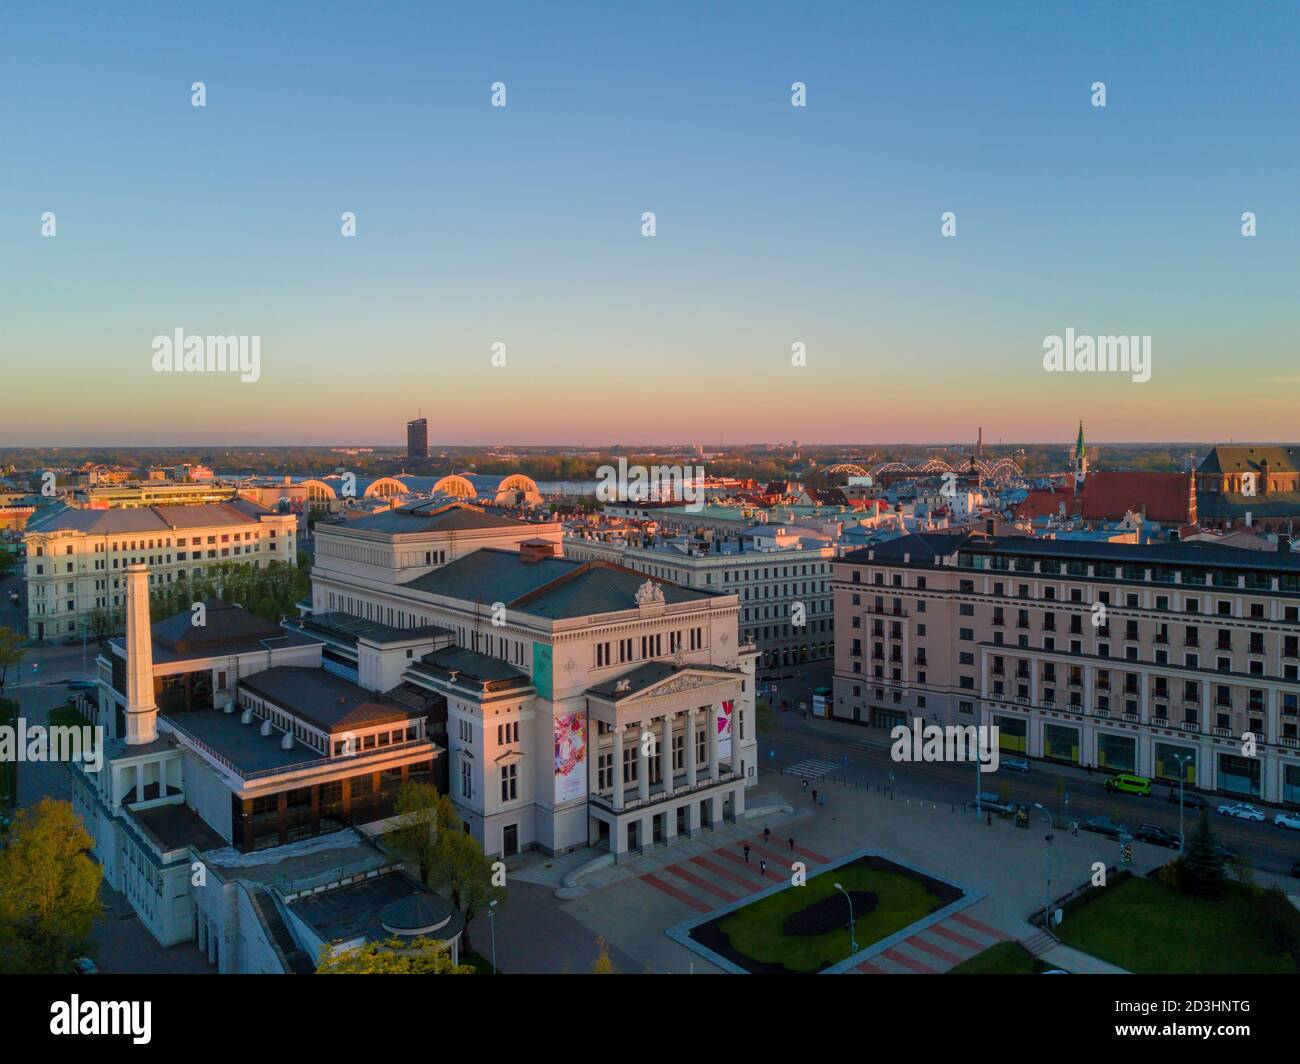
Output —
<point x="77" y="558"/>
<point x="1118" y="656"/>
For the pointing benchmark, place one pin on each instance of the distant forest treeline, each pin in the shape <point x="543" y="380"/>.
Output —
<point x="568" y="464"/>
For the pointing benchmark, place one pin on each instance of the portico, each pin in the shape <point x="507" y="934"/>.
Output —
<point x="671" y="753"/>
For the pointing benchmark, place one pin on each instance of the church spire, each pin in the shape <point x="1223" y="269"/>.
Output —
<point x="1080" y="461"/>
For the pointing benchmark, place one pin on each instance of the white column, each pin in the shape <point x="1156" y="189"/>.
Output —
<point x="711" y="730"/>
<point x="666" y="752"/>
<point x="618" y="769"/>
<point x="141" y="713"/>
<point x="690" y="749"/>
<point x="643" y="762"/>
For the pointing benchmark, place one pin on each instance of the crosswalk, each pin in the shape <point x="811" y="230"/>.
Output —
<point x="814" y="768"/>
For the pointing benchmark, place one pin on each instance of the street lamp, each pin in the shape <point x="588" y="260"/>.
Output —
<point x="1047" y="890"/>
<point x="853" y="940"/>
<point x="1182" y="775"/>
<point x="492" y="924"/>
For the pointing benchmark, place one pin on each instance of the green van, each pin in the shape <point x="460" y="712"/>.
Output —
<point x="1129" y="784"/>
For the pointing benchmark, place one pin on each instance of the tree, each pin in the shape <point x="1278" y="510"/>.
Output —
<point x="11" y="654"/>
<point x="418" y="809"/>
<point x="49" y="890"/>
<point x="1203" y="862"/>
<point x="604" y="965"/>
<point x="421" y="956"/>
<point x="457" y="862"/>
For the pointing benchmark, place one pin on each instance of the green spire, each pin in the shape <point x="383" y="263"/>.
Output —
<point x="1079" y="449"/>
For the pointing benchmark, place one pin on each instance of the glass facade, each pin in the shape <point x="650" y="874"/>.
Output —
<point x="1291" y="784"/>
<point x="1013" y="734"/>
<point x="1116" y="752"/>
<point x="1166" y="767"/>
<point x="1061" y="743"/>
<point x="1239" y="775"/>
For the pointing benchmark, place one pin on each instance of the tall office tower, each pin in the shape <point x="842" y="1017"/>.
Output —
<point x="417" y="438"/>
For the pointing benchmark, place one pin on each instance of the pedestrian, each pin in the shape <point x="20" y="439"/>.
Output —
<point x="805" y="785"/>
<point x="746" y="853"/>
<point x="1074" y="827"/>
<point x="792" y="844"/>
<point x="1089" y="770"/>
<point x="767" y="834"/>
<point x="814" y="796"/>
<point x="990" y="819"/>
<point x="822" y="801"/>
<point x="762" y="868"/>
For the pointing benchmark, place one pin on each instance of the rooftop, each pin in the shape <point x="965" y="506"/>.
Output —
<point x="323" y="699"/>
<point x="146" y="519"/>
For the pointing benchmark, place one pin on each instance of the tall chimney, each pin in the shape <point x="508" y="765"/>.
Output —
<point x="141" y="712"/>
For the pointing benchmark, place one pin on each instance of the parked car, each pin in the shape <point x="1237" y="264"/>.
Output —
<point x="1015" y="764"/>
<point x="1157" y="835"/>
<point x="1288" y="820"/>
<point x="991" y="803"/>
<point x="1105" y="826"/>
<point x="1128" y="784"/>
<point x="1191" y="800"/>
<point x="1242" y="811"/>
<point x="82" y="685"/>
<point x="84" y="966"/>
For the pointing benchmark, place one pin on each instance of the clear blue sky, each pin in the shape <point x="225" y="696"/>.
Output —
<point x="522" y="225"/>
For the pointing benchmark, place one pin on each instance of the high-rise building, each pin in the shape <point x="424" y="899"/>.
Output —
<point x="417" y="438"/>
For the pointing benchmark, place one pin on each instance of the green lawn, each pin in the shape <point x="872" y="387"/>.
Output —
<point x="756" y="930"/>
<point x="1005" y="958"/>
<point x="1147" y="928"/>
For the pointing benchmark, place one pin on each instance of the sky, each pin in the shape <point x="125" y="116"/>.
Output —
<point x="522" y="225"/>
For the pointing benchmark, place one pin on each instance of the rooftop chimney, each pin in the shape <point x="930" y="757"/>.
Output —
<point x="534" y="550"/>
<point x="141" y="712"/>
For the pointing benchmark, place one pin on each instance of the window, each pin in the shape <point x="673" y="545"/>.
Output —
<point x="466" y="779"/>
<point x="509" y="782"/>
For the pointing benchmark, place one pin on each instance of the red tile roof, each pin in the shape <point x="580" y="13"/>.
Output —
<point x="1164" y="497"/>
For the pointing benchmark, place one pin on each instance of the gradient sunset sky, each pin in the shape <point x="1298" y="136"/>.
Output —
<point x="523" y="224"/>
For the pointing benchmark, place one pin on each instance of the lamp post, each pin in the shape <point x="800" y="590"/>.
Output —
<point x="853" y="940"/>
<point x="1047" y="890"/>
<point x="1182" y="775"/>
<point x="492" y="924"/>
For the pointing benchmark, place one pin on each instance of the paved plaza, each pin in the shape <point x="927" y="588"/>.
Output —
<point x="631" y="905"/>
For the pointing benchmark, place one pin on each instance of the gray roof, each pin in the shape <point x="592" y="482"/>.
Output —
<point x="229" y="630"/>
<point x="649" y="674"/>
<point x="345" y="627"/>
<point x="432" y="516"/>
<point x="359" y="909"/>
<point x="492" y="673"/>
<point x="145" y="519"/>
<point x="555" y="588"/>
<point x="1247" y="458"/>
<point x="323" y="699"/>
<point x="1194" y="554"/>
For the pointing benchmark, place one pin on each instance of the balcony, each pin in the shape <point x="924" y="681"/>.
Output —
<point x="1132" y="718"/>
<point x="1222" y="731"/>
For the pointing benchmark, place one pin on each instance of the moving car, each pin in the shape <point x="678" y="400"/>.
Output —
<point x="1288" y="820"/>
<point x="1015" y="764"/>
<point x="1129" y="784"/>
<point x="1191" y="800"/>
<point x="1242" y="811"/>
<point x="1157" y="835"/>
<point x="1104" y="825"/>
<point x="82" y="685"/>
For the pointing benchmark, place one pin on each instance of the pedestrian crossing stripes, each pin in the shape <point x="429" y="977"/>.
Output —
<point x="814" y="768"/>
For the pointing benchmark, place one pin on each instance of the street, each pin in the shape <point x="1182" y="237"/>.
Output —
<point x="855" y="755"/>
